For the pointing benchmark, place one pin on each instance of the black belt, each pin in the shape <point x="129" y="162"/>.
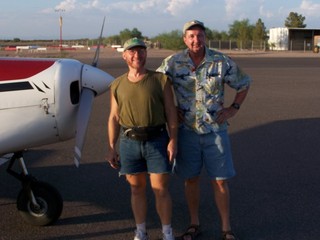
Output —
<point x="144" y="133"/>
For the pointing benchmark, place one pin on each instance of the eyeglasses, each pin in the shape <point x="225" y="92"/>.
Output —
<point x="136" y="50"/>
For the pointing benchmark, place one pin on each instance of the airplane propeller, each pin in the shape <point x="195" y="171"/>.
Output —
<point x="94" y="81"/>
<point x="86" y="102"/>
<point x="96" y="56"/>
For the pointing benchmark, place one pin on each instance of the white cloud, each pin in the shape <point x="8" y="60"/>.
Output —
<point x="173" y="7"/>
<point x="309" y="8"/>
<point x="94" y="4"/>
<point x="177" y="6"/>
<point x="134" y="7"/>
<point x="67" y="5"/>
<point x="147" y="5"/>
<point x="265" y="13"/>
<point x="232" y="7"/>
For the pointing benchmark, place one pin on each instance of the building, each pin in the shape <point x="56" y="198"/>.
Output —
<point x="296" y="39"/>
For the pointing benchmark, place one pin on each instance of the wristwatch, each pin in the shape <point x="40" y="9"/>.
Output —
<point x="235" y="106"/>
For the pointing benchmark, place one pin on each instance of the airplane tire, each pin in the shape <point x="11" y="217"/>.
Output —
<point x="49" y="200"/>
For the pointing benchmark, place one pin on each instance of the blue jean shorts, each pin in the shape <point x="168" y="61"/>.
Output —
<point x="211" y="151"/>
<point x="144" y="156"/>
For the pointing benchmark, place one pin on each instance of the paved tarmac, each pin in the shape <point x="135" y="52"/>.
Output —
<point x="275" y="139"/>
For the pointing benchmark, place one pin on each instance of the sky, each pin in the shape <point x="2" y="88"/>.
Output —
<point x="39" y="19"/>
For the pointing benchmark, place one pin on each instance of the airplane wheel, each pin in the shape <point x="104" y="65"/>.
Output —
<point x="49" y="201"/>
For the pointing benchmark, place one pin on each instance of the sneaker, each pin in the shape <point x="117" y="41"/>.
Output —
<point x="168" y="236"/>
<point x="140" y="235"/>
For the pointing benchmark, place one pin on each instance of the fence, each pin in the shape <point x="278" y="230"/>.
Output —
<point x="292" y="45"/>
<point x="238" y="45"/>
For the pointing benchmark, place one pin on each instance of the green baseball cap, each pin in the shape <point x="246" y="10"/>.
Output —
<point x="192" y="23"/>
<point x="133" y="42"/>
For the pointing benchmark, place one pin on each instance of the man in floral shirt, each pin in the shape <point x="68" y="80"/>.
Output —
<point x="199" y="75"/>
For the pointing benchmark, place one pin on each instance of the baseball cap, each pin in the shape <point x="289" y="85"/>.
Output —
<point x="133" y="42"/>
<point x="192" y="23"/>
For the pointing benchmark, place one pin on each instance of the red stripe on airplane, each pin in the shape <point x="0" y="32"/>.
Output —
<point x="21" y="69"/>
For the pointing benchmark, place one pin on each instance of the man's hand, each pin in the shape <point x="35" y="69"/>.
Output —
<point x="172" y="150"/>
<point x="113" y="159"/>
<point x="224" y="114"/>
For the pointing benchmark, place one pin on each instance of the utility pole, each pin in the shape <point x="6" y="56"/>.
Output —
<point x="60" y="10"/>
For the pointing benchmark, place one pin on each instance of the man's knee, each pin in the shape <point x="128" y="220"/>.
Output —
<point x="161" y="193"/>
<point x="192" y="181"/>
<point x="220" y="185"/>
<point x="137" y="183"/>
<point x="138" y="190"/>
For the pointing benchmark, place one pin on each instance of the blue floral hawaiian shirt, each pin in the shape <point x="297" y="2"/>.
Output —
<point x="200" y="91"/>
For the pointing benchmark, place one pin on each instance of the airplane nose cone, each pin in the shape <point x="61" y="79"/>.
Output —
<point x="95" y="79"/>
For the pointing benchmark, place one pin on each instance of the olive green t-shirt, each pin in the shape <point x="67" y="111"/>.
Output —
<point x="141" y="103"/>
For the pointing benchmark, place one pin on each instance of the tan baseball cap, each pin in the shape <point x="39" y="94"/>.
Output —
<point x="192" y="23"/>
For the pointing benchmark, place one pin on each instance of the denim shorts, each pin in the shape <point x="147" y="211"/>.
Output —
<point x="144" y="156"/>
<point x="212" y="150"/>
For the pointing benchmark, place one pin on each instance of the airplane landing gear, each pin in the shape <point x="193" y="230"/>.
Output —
<point x="38" y="202"/>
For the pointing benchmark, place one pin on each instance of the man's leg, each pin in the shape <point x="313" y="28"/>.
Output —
<point x="222" y="198"/>
<point x="160" y="186"/>
<point x="138" y="196"/>
<point x="192" y="192"/>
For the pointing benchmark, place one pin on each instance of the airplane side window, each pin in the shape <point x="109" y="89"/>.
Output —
<point x="74" y="92"/>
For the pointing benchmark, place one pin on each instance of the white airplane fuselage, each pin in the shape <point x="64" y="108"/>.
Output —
<point x="39" y="99"/>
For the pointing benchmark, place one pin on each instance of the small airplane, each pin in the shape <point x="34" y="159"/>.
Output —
<point x="44" y="101"/>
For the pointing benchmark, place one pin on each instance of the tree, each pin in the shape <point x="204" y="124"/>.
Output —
<point x="216" y="35"/>
<point x="259" y="35"/>
<point x="210" y="34"/>
<point x="224" y="36"/>
<point x="172" y="40"/>
<point x="115" y="39"/>
<point x="259" y="32"/>
<point x="242" y="32"/>
<point x="136" y="33"/>
<point x="127" y="34"/>
<point x="294" y="20"/>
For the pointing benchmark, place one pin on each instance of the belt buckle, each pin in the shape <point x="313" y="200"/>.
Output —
<point x="127" y="131"/>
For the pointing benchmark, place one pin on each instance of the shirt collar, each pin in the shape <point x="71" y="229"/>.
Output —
<point x="207" y="55"/>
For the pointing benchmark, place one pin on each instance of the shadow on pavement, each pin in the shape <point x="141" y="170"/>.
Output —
<point x="275" y="194"/>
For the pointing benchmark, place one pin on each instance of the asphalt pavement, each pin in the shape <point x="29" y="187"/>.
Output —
<point x="275" y="141"/>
